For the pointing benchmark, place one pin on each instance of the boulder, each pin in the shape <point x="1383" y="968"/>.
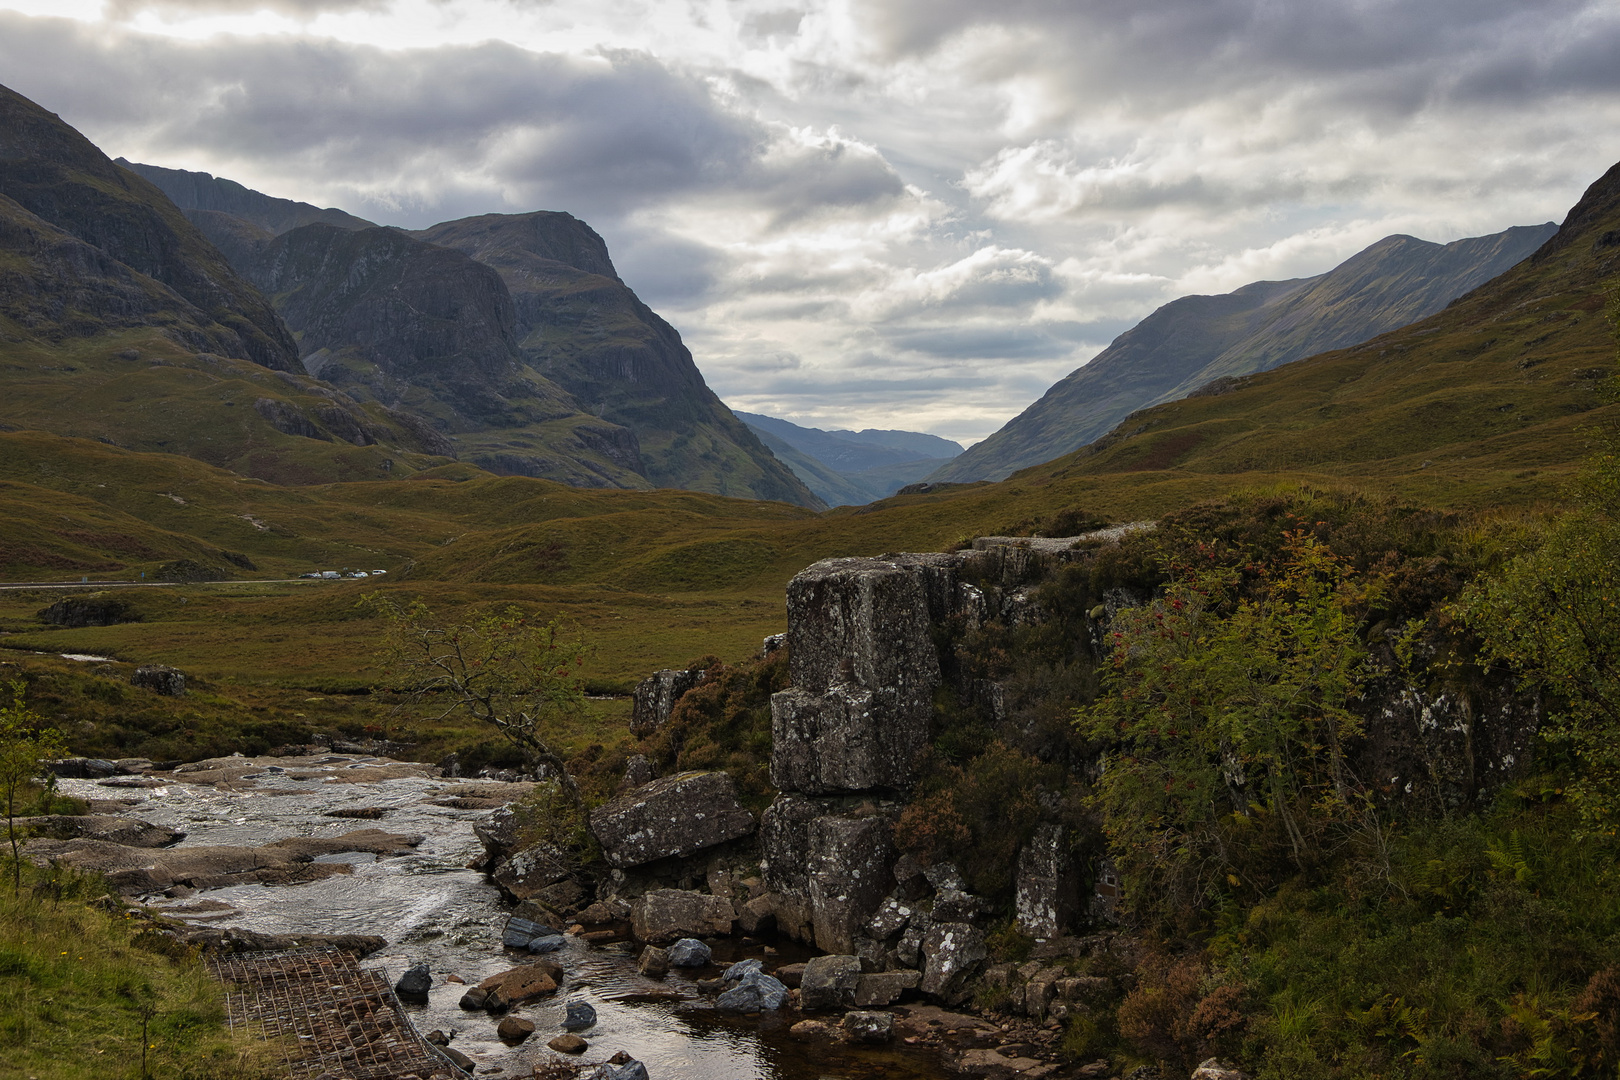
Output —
<point x="655" y="698"/>
<point x="754" y="992"/>
<point x="550" y="943"/>
<point x="569" y="1044"/>
<point x="437" y="1038"/>
<point x="758" y="916"/>
<point x="1216" y="1069"/>
<point x="849" y="874"/>
<point x="889" y="920"/>
<point x="415" y="983"/>
<point x="954" y="905"/>
<point x="580" y="1015"/>
<point x="474" y="998"/>
<point x="868" y="1027"/>
<point x="654" y="962"/>
<point x="1047" y="899"/>
<point x="519" y="932"/>
<point x="791" y="975"/>
<point x="167" y="681"/>
<point x="524" y="983"/>
<point x="829" y="982"/>
<point x="667" y="914"/>
<point x="80" y="611"/>
<point x="675" y="816"/>
<point x="688" y="952"/>
<point x="463" y="1062"/>
<point x="532" y="871"/>
<point x="951" y="952"/>
<point x="784" y="840"/>
<point x="514" y="1029"/>
<point x="863" y="666"/>
<point x="498" y="832"/>
<point x="884" y="987"/>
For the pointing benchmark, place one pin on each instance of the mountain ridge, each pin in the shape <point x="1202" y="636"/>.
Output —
<point x="1193" y="341"/>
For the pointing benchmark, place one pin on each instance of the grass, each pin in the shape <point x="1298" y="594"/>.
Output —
<point x="90" y="995"/>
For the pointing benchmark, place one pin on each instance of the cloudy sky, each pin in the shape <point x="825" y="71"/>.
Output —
<point x="891" y="213"/>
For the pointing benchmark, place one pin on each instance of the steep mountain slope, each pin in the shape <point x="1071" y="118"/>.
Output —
<point x="830" y="486"/>
<point x="581" y="327"/>
<point x="1191" y="342"/>
<point x="200" y="191"/>
<point x="55" y="173"/>
<point x="120" y="322"/>
<point x="1486" y="400"/>
<point x="426" y="329"/>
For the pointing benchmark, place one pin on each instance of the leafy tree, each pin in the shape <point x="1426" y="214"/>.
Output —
<point x="507" y="669"/>
<point x="25" y="743"/>
<point x="1226" y="708"/>
<point x="1553" y="615"/>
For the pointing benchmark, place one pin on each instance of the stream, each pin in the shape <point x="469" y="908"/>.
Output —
<point x="431" y="908"/>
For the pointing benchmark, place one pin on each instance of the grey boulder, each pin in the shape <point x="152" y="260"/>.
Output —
<point x="689" y="952"/>
<point x="829" y="982"/>
<point x="581" y="1015"/>
<point x="415" y="983"/>
<point x="755" y="992"/>
<point x="674" y="816"/>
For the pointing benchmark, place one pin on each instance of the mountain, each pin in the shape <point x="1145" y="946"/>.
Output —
<point x="201" y="193"/>
<point x="120" y="322"/>
<point x="849" y="468"/>
<point x="1192" y="342"/>
<point x="1487" y="402"/>
<point x="51" y="171"/>
<point x="581" y="327"/>
<point x="565" y="375"/>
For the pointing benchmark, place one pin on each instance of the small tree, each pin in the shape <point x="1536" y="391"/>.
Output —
<point x="25" y="743"/>
<point x="509" y="670"/>
<point x="1221" y="708"/>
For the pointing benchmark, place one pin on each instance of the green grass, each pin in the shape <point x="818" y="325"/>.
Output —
<point x="79" y="985"/>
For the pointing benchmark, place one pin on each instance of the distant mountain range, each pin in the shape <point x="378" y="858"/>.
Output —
<point x="1200" y="342"/>
<point x="851" y="468"/>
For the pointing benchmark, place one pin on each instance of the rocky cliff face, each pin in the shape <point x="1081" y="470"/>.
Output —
<point x="57" y="175"/>
<point x="199" y="192"/>
<point x="581" y="327"/>
<point x="1189" y="343"/>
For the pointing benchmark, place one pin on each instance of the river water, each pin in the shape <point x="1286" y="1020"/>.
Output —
<point x="431" y="908"/>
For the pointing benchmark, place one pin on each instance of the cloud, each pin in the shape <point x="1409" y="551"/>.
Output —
<point x="123" y="10"/>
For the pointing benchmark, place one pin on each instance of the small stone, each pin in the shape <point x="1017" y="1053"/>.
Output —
<point x="869" y="1027"/>
<point x="581" y="1015"/>
<point x="689" y="952"/>
<point x="463" y="1062"/>
<point x="813" y="1029"/>
<point x="437" y="1038"/>
<point x="520" y="932"/>
<point x="629" y="1070"/>
<point x="654" y="962"/>
<point x="711" y="986"/>
<point x="1216" y="1069"/>
<point x="792" y="975"/>
<point x="414" y="983"/>
<point x="514" y="1029"/>
<point x="455" y="979"/>
<point x="569" y="1044"/>
<point x="474" y="998"/>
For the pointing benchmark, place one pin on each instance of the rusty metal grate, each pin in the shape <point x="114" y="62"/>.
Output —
<point x="331" y="1019"/>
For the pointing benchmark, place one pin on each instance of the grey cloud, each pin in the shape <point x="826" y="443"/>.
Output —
<point x="304" y="9"/>
<point x="982" y="342"/>
<point x="443" y="131"/>
<point x="663" y="269"/>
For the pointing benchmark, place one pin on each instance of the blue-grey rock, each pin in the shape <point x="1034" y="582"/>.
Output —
<point x="742" y="968"/>
<point x="549" y="943"/>
<point x="688" y="952"/>
<point x="757" y="992"/>
<point x="415" y="982"/>
<point x="630" y="1070"/>
<point x="519" y="932"/>
<point x="580" y="1016"/>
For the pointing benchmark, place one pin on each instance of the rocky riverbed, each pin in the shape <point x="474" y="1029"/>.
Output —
<point x="353" y="845"/>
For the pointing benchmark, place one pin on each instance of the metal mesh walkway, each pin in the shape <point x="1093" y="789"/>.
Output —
<point x="331" y="1020"/>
